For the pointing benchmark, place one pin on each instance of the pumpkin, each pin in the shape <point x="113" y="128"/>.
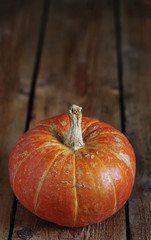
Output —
<point x="72" y="170"/>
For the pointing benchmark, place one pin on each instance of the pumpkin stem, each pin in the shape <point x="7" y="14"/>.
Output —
<point x="74" y="139"/>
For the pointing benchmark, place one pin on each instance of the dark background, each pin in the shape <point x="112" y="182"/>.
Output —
<point x="96" y="54"/>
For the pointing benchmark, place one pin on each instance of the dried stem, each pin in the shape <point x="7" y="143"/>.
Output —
<point x="74" y="139"/>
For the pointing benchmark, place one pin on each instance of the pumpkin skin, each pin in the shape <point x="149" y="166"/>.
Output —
<point x="72" y="188"/>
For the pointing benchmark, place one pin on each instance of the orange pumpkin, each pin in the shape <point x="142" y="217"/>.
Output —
<point x="72" y="170"/>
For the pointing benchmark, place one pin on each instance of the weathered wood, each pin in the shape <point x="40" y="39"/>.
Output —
<point x="78" y="66"/>
<point x="136" y="50"/>
<point x="19" y="31"/>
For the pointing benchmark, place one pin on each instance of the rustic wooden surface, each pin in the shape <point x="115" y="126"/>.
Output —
<point x="95" y="54"/>
<point x="136" y="51"/>
<point x="19" y="31"/>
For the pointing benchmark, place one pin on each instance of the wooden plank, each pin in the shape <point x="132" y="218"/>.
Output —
<point x="78" y="66"/>
<point x="136" y="50"/>
<point x="19" y="31"/>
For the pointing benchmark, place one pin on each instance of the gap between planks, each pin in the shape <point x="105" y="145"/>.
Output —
<point x="118" y="27"/>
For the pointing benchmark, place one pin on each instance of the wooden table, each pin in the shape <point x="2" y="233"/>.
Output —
<point x="96" y="54"/>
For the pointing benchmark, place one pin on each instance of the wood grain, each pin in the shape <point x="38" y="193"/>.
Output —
<point x="136" y="51"/>
<point x="78" y="66"/>
<point x="19" y="30"/>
